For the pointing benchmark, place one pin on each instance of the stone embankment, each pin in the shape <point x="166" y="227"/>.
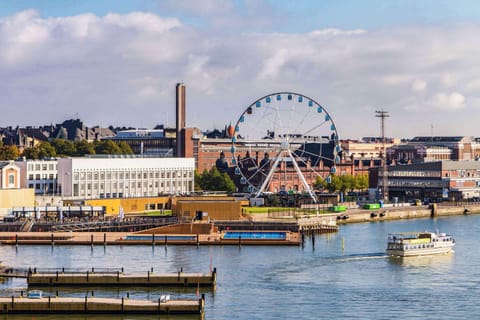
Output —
<point x="412" y="212"/>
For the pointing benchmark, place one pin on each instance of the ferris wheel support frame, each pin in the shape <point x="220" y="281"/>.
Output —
<point x="269" y="175"/>
<point x="302" y="178"/>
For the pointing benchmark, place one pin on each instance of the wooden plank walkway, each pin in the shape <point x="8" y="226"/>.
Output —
<point x="115" y="279"/>
<point x="106" y="277"/>
<point x="55" y="305"/>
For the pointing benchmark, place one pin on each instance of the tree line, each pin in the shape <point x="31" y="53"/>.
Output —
<point x="343" y="183"/>
<point x="213" y="180"/>
<point x="64" y="148"/>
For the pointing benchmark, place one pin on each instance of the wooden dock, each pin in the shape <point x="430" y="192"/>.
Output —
<point x="57" y="305"/>
<point x="110" y="277"/>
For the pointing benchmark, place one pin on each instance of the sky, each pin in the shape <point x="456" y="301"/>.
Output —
<point x="116" y="62"/>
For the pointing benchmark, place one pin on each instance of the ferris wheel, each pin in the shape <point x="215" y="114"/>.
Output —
<point x="281" y="143"/>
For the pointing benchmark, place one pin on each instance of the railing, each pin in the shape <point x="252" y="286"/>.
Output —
<point x="74" y="270"/>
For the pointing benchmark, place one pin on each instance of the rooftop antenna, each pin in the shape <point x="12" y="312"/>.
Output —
<point x="431" y="132"/>
<point x="382" y="114"/>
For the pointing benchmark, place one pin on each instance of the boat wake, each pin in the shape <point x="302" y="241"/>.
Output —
<point x="363" y="256"/>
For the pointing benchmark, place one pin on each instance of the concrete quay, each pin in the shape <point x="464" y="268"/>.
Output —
<point x="411" y="212"/>
<point x="92" y="305"/>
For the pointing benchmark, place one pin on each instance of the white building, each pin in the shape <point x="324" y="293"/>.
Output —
<point x="85" y="178"/>
<point x="40" y="175"/>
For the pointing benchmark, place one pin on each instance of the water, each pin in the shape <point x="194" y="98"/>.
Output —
<point x="321" y="282"/>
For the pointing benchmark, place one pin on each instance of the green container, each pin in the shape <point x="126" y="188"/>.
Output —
<point x="371" y="206"/>
<point x="338" y="208"/>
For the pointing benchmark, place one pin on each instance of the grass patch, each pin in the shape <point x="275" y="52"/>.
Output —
<point x="158" y="213"/>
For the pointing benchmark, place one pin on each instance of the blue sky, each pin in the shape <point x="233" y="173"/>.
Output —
<point x="117" y="61"/>
<point x="301" y="15"/>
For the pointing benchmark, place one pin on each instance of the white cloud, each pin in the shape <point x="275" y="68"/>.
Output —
<point x="130" y="63"/>
<point x="419" y="85"/>
<point x="451" y="101"/>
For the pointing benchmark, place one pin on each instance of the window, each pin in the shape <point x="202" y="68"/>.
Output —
<point x="11" y="179"/>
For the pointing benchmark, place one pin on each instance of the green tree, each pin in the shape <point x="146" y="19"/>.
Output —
<point x="228" y="184"/>
<point x="84" y="147"/>
<point x="30" y="153"/>
<point x="213" y="180"/>
<point x="319" y="183"/>
<point x="125" y="147"/>
<point x="335" y="184"/>
<point x="348" y="182"/>
<point x="107" y="147"/>
<point x="197" y="178"/>
<point x="46" y="150"/>
<point x="64" y="147"/>
<point x="361" y="181"/>
<point x="8" y="152"/>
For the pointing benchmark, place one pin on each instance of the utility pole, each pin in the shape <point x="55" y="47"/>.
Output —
<point x="382" y="114"/>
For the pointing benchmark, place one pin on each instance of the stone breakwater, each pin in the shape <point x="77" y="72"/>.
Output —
<point x="414" y="212"/>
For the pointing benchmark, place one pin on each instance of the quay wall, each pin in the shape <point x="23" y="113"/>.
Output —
<point x="407" y="213"/>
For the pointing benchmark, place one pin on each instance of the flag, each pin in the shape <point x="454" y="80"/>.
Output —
<point x="121" y="213"/>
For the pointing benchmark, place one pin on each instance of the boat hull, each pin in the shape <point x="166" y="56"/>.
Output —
<point x="419" y="252"/>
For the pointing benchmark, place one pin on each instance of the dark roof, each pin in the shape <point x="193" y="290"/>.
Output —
<point x="438" y="139"/>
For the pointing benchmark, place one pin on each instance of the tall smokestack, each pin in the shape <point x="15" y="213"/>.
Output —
<point x="180" y="121"/>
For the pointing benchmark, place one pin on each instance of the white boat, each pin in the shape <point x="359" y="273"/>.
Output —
<point x="35" y="294"/>
<point x="419" y="243"/>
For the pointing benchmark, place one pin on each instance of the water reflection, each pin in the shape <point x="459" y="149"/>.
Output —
<point x="430" y="261"/>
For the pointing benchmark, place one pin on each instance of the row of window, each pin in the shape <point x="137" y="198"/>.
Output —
<point x="412" y="173"/>
<point x="42" y="176"/>
<point x="132" y="185"/>
<point x="42" y="166"/>
<point x="115" y="190"/>
<point x="131" y="175"/>
<point x="414" y="183"/>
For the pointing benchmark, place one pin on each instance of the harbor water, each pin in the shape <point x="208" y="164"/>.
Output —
<point x="345" y="275"/>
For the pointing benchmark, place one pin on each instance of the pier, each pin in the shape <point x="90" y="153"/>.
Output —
<point x="58" y="305"/>
<point x="109" y="277"/>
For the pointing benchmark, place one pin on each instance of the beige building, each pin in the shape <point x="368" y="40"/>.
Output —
<point x="9" y="175"/>
<point x="207" y="208"/>
<point x="10" y="198"/>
